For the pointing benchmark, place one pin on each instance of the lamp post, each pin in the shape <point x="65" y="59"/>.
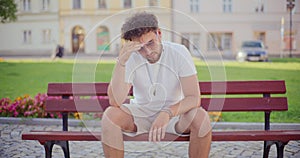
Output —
<point x="282" y="37"/>
<point x="290" y="5"/>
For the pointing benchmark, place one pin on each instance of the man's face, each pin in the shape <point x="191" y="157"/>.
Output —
<point x="152" y="47"/>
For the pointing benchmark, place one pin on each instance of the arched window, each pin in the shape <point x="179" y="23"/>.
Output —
<point x="76" y="4"/>
<point x="102" y="4"/>
<point x="127" y="3"/>
<point x="153" y="3"/>
<point x="103" y="39"/>
<point x="78" y="34"/>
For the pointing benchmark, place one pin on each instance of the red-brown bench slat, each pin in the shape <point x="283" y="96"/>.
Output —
<point x="77" y="105"/>
<point x="79" y="89"/>
<point x="216" y="87"/>
<point x="245" y="104"/>
<point x="262" y="135"/>
<point x="243" y="87"/>
<point x="210" y="104"/>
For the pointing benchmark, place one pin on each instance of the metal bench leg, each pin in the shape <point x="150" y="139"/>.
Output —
<point x="65" y="147"/>
<point x="280" y="148"/>
<point x="63" y="144"/>
<point x="267" y="146"/>
<point x="48" y="148"/>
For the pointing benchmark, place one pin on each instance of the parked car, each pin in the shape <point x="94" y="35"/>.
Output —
<point x="252" y="51"/>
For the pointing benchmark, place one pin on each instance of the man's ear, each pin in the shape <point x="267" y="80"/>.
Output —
<point x="158" y="32"/>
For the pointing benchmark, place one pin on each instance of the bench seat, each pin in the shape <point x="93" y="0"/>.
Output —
<point x="216" y="96"/>
<point x="262" y="135"/>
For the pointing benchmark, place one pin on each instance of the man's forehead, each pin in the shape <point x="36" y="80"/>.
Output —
<point x="145" y="38"/>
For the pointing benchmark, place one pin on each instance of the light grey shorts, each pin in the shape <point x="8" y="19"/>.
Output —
<point x="143" y="119"/>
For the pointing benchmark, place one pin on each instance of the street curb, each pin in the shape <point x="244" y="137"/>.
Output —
<point x="95" y="123"/>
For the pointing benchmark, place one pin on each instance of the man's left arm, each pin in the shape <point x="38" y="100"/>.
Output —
<point x="191" y="92"/>
<point x="191" y="100"/>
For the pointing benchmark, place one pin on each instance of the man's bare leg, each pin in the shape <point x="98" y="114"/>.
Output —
<point x="114" y="121"/>
<point x="197" y="123"/>
<point x="199" y="146"/>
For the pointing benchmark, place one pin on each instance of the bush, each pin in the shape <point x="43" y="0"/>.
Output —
<point x="26" y="106"/>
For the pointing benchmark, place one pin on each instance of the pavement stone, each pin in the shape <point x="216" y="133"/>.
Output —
<point x="11" y="145"/>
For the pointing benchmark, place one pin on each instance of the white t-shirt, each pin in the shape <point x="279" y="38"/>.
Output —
<point x="158" y="85"/>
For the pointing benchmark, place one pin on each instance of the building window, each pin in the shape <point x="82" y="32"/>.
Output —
<point x="47" y="36"/>
<point x="45" y="5"/>
<point x="213" y="42"/>
<point x="260" y="6"/>
<point x="194" y="6"/>
<point x="261" y="36"/>
<point x="227" y="6"/>
<point x="76" y="4"/>
<point x="289" y="40"/>
<point x="103" y="39"/>
<point x="101" y="4"/>
<point x="26" y="5"/>
<point x="127" y="4"/>
<point x="27" y="36"/>
<point x="220" y="41"/>
<point x="153" y="3"/>
<point x="78" y="35"/>
<point x="192" y="42"/>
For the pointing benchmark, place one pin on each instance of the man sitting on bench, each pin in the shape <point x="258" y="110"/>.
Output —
<point x="165" y="89"/>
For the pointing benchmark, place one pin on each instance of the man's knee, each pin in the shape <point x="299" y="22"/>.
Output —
<point x="201" y="122"/>
<point x="116" y="117"/>
<point x="110" y="116"/>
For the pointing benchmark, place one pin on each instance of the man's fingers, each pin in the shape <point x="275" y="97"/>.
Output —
<point x="150" y="135"/>
<point x="159" y="134"/>
<point x="163" y="133"/>
<point x="131" y="46"/>
<point x="154" y="134"/>
<point x="134" y="45"/>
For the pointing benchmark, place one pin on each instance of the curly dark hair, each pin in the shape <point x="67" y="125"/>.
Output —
<point x="139" y="24"/>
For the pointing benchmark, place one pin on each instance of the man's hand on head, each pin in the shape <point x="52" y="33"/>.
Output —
<point x="127" y="49"/>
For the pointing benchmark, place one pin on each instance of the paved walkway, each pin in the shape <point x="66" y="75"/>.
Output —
<point x="12" y="146"/>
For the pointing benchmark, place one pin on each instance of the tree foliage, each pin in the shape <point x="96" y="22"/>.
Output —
<point x="8" y="9"/>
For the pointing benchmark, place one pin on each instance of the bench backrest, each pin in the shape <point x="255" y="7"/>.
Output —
<point x="227" y="96"/>
<point x="215" y="96"/>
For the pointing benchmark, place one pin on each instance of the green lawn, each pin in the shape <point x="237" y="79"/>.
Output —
<point x="31" y="77"/>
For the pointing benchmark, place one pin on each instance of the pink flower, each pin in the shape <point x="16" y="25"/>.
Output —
<point x="16" y="114"/>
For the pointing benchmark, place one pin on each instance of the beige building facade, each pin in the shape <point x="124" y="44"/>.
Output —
<point x="205" y="26"/>
<point x="35" y="31"/>
<point x="219" y="26"/>
<point x="81" y="26"/>
<point x="94" y="26"/>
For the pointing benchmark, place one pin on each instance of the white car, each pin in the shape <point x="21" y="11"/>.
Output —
<point x="252" y="51"/>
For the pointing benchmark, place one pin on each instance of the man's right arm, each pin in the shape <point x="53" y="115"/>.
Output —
<point x="118" y="89"/>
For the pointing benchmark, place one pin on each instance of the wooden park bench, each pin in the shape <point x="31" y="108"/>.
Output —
<point x="228" y="96"/>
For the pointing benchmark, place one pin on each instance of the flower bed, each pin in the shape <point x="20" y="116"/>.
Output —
<point x="25" y="106"/>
